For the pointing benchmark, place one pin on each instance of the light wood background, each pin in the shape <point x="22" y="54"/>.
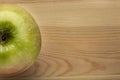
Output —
<point x="80" y="39"/>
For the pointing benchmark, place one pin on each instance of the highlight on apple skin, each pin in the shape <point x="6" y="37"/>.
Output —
<point x="20" y="40"/>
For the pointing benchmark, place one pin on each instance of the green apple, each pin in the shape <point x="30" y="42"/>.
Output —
<point x="20" y="40"/>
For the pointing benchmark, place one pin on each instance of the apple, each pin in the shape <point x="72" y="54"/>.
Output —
<point x="20" y="40"/>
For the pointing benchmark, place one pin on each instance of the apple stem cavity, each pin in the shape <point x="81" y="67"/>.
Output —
<point x="4" y="37"/>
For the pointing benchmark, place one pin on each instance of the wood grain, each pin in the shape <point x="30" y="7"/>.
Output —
<point x="81" y="51"/>
<point x="80" y="39"/>
<point x="53" y="1"/>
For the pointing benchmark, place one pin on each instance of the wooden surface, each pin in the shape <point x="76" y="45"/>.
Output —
<point x="80" y="39"/>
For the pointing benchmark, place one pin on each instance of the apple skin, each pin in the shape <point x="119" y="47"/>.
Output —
<point x="21" y="49"/>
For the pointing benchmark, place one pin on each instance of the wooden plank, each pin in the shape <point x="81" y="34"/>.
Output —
<point x="54" y="1"/>
<point x="107" y="77"/>
<point x="79" y="38"/>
